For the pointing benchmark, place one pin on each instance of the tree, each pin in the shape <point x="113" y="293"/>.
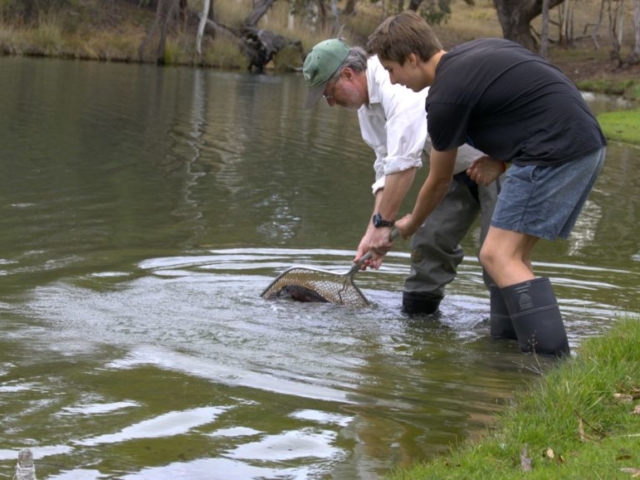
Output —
<point x="258" y="46"/>
<point x="616" y="17"/>
<point x="433" y="11"/>
<point x="166" y="15"/>
<point x="544" y="35"/>
<point x="206" y="8"/>
<point x="515" y="18"/>
<point x="635" y="55"/>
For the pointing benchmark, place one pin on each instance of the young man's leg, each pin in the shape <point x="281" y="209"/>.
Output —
<point x="436" y="251"/>
<point x="500" y="324"/>
<point x="536" y="202"/>
<point x="530" y="302"/>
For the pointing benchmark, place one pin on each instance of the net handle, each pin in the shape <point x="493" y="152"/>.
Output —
<point x="356" y="266"/>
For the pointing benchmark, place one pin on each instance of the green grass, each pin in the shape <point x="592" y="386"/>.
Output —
<point x="621" y="126"/>
<point x="628" y="88"/>
<point x="570" y="424"/>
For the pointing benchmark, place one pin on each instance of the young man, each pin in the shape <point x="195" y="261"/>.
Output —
<point x="393" y="124"/>
<point x="514" y="106"/>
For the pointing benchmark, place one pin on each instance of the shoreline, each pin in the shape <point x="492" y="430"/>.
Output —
<point x="580" y="420"/>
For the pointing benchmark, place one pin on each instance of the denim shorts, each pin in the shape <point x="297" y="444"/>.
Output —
<point x="543" y="201"/>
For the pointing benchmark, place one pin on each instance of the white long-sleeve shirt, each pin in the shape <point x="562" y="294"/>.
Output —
<point x="394" y="125"/>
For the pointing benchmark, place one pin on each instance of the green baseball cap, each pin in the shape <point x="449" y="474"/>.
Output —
<point x="321" y="63"/>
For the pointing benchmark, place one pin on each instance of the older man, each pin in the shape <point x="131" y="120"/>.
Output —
<point x="393" y="124"/>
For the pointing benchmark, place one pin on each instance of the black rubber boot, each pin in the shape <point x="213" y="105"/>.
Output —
<point x="420" y="302"/>
<point x="500" y="324"/>
<point x="536" y="317"/>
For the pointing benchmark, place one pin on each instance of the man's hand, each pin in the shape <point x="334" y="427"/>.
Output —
<point x="363" y="248"/>
<point x="485" y="170"/>
<point x="379" y="243"/>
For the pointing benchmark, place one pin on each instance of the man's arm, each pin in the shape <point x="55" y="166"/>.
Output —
<point x="395" y="189"/>
<point x="399" y="145"/>
<point x="387" y="204"/>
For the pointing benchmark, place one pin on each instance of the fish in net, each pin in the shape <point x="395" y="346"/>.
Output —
<point x="305" y="284"/>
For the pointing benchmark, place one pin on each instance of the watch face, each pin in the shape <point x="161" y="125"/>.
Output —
<point x="379" y="222"/>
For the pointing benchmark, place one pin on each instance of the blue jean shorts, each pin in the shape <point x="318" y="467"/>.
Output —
<point x="543" y="201"/>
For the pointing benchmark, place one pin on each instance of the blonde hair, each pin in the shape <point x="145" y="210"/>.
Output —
<point x="402" y="34"/>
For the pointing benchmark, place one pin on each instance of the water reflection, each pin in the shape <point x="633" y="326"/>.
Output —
<point x="142" y="212"/>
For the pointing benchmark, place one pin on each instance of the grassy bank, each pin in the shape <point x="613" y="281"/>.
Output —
<point x="581" y="420"/>
<point x="623" y="126"/>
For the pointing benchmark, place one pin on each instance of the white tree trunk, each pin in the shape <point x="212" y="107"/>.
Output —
<point x="562" y="22"/>
<point x="203" y="22"/>
<point x="620" y="22"/>
<point x="544" y="34"/>
<point x="636" y="28"/>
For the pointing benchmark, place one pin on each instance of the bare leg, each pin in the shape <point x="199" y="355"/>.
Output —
<point x="531" y="303"/>
<point x="506" y="256"/>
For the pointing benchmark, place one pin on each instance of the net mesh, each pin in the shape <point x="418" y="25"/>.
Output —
<point x="311" y="285"/>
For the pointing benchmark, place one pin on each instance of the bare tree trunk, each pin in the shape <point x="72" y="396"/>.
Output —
<point x="168" y="16"/>
<point x="183" y="13"/>
<point x="635" y="55"/>
<point x="203" y="21"/>
<point x="322" y="9"/>
<point x="515" y="18"/>
<point x="620" y="22"/>
<point x="216" y="29"/>
<point x="594" y="34"/>
<point x="335" y="27"/>
<point x="258" y="46"/>
<point x="166" y="13"/>
<point x="260" y="8"/>
<point x="615" y="28"/>
<point x="566" y="37"/>
<point x="349" y="8"/>
<point x="544" y="34"/>
<point x="562" y="24"/>
<point x="571" y="32"/>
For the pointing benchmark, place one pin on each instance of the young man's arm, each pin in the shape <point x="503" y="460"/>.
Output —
<point x="432" y="192"/>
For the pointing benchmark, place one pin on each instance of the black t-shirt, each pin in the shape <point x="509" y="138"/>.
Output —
<point x="509" y="103"/>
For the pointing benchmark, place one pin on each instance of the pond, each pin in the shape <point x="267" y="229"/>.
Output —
<point x="143" y="210"/>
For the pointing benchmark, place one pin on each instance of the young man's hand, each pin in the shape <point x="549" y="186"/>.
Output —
<point x="485" y="170"/>
<point x="406" y="226"/>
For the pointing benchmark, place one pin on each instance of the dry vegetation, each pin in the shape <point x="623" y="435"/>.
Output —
<point x="92" y="30"/>
<point x="581" y="62"/>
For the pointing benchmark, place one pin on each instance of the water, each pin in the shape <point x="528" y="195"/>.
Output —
<point x="142" y="212"/>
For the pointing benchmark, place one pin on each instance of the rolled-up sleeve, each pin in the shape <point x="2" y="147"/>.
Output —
<point x="394" y="124"/>
<point x="406" y="129"/>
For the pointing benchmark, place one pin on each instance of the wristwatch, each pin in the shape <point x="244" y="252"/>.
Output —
<point x="379" y="222"/>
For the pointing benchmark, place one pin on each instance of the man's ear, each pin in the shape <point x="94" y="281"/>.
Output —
<point x="412" y="59"/>
<point x="347" y="73"/>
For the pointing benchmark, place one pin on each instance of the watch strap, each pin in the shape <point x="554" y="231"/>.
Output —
<point x="380" y="222"/>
